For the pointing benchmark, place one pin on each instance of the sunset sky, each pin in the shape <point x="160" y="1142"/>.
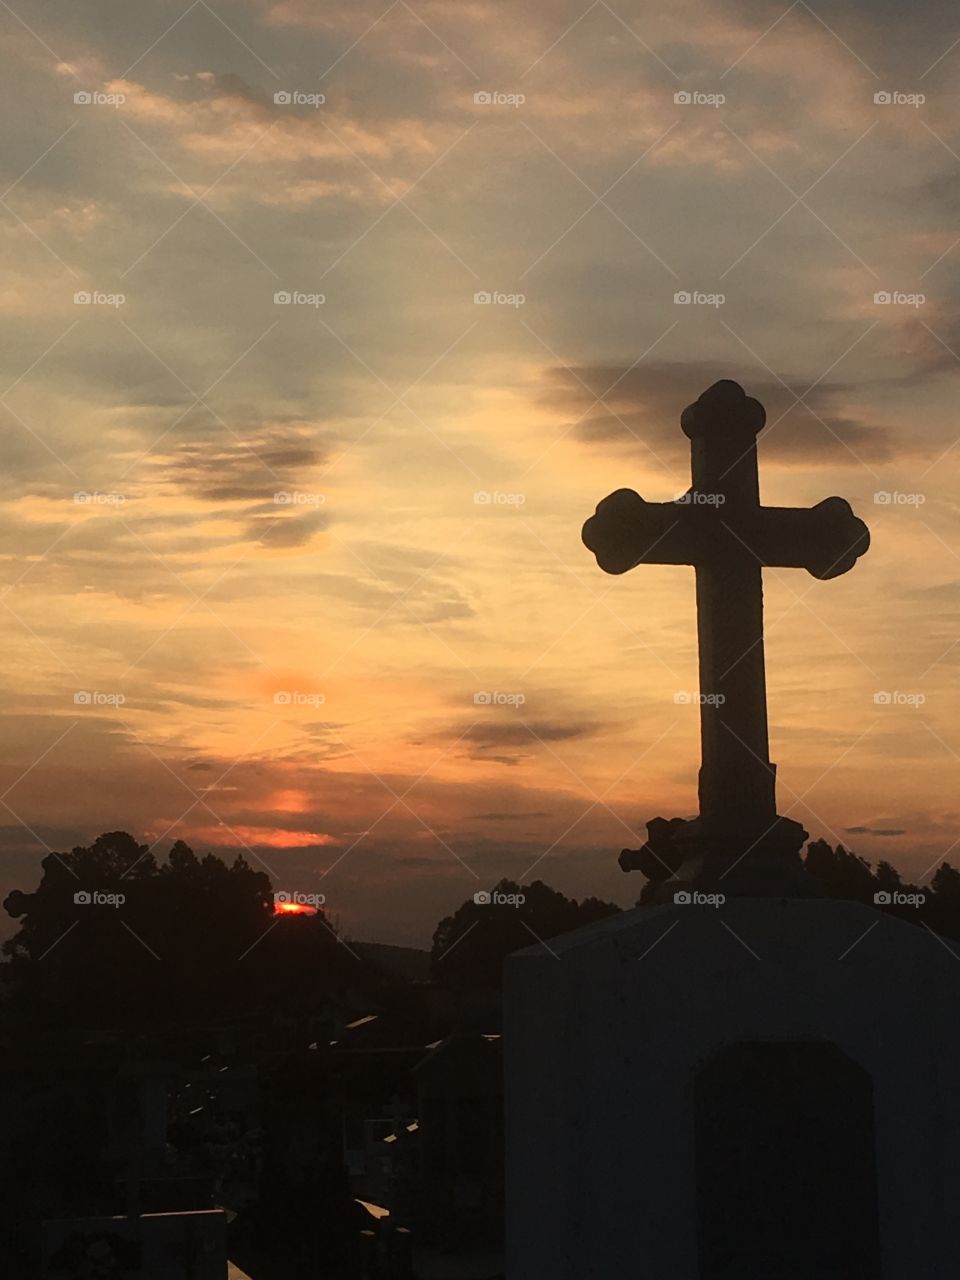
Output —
<point x="150" y="156"/>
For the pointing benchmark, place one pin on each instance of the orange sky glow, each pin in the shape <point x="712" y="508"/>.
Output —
<point x="291" y="559"/>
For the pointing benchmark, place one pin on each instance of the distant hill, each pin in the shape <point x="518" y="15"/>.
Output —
<point x="405" y="962"/>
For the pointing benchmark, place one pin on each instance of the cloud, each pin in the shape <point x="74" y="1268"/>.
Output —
<point x="876" y="831"/>
<point x="868" y="26"/>
<point x="638" y="409"/>
<point x="279" y="531"/>
<point x="260" y="836"/>
<point x="506" y="742"/>
<point x="404" y="584"/>
<point x="237" y="146"/>
<point x="509" y="817"/>
<point x="255" y="463"/>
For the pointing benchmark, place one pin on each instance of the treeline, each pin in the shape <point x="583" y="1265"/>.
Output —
<point x="112" y="936"/>
<point x="469" y="947"/>
<point x="843" y="874"/>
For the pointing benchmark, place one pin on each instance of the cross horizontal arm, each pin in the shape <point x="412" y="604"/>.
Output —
<point x="626" y="531"/>
<point x="826" y="539"/>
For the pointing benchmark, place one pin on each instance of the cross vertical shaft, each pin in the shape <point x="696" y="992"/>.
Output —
<point x="736" y="776"/>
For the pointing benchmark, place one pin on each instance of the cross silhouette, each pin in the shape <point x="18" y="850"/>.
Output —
<point x="720" y="528"/>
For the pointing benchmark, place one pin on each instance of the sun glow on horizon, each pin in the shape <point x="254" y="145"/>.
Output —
<point x="293" y="909"/>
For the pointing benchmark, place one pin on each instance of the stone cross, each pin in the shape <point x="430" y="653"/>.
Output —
<point x="718" y="526"/>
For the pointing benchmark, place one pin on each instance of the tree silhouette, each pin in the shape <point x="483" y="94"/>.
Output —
<point x="111" y="936"/>
<point x="845" y="874"/>
<point x="469" y="947"/>
<point x="842" y="874"/>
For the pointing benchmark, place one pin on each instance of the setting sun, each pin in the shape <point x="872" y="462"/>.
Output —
<point x="293" y="909"/>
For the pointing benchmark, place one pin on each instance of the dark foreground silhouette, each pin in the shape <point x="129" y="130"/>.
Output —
<point x="189" y="1048"/>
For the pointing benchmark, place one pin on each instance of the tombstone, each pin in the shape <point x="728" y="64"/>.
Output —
<point x="742" y="1079"/>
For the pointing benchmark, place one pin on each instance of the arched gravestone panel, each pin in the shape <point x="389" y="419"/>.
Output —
<point x="786" y="1165"/>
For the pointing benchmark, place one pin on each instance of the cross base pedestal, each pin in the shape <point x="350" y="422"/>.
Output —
<point x="684" y="855"/>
